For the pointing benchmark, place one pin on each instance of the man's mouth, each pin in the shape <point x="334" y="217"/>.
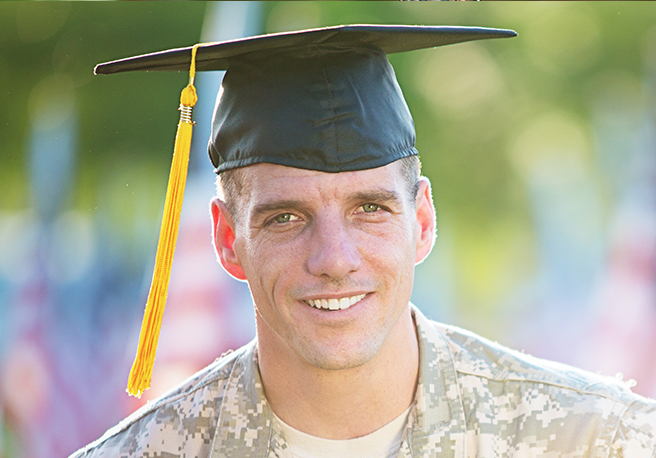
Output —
<point x="335" y="304"/>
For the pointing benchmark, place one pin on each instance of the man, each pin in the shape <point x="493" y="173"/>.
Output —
<point x="322" y="210"/>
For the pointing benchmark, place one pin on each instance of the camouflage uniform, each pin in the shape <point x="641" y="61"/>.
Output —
<point x="474" y="399"/>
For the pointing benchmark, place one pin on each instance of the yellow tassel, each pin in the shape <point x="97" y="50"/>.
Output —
<point x="142" y="368"/>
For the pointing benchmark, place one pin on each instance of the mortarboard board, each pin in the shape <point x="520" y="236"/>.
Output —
<point x="323" y="99"/>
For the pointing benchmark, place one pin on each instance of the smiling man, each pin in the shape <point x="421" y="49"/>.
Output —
<point x="322" y="210"/>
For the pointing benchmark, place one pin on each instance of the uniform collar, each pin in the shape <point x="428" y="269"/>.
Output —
<point x="438" y="421"/>
<point x="244" y="427"/>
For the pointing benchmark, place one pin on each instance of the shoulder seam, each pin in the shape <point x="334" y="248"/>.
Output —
<point x="623" y="396"/>
<point x="505" y="377"/>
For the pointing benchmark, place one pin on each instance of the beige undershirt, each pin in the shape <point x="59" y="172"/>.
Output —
<point x="382" y="443"/>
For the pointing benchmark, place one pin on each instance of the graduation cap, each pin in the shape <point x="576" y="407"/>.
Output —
<point x="322" y="99"/>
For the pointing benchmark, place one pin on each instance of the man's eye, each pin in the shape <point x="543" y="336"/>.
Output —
<point x="284" y="218"/>
<point x="370" y="208"/>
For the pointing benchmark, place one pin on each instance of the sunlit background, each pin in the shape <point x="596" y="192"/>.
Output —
<point x="541" y="150"/>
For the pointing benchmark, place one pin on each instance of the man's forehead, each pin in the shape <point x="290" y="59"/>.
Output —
<point x="272" y="181"/>
<point x="268" y="175"/>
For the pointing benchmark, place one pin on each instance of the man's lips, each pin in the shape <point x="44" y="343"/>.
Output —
<point x="335" y="303"/>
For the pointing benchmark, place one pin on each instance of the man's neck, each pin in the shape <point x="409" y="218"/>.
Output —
<point x="346" y="403"/>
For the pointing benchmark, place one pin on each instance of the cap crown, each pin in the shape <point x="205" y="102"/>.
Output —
<point x="328" y="108"/>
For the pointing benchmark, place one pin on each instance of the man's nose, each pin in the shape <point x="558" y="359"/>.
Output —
<point x="333" y="252"/>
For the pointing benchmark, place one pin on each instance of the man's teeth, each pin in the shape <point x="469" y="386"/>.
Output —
<point x="336" y="304"/>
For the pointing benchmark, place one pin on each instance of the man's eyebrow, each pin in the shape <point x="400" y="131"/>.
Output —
<point x="381" y="196"/>
<point x="269" y="207"/>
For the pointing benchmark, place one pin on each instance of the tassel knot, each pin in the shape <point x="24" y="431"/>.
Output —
<point x="188" y="97"/>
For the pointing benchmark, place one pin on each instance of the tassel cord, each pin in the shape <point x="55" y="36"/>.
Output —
<point x="141" y="372"/>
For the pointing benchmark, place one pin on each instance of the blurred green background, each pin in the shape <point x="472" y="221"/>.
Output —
<point x="541" y="150"/>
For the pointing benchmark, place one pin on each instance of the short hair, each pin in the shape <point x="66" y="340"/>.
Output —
<point x="411" y="172"/>
<point x="230" y="183"/>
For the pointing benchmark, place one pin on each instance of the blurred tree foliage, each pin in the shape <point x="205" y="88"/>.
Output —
<point x="121" y="119"/>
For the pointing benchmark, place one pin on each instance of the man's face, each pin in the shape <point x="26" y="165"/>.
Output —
<point x="329" y="258"/>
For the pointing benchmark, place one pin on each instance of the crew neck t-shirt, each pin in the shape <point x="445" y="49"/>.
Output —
<point x="382" y="443"/>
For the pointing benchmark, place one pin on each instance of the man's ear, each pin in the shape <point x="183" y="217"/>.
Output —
<point x="425" y="213"/>
<point x="223" y="236"/>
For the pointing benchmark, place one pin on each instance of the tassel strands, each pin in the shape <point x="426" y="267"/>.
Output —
<point x="142" y="368"/>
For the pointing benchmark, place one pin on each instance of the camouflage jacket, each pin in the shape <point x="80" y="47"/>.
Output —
<point x="474" y="399"/>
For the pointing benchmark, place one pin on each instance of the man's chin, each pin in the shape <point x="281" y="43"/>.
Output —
<point x="343" y="357"/>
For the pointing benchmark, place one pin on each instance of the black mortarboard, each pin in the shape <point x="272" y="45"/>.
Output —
<point x="322" y="99"/>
